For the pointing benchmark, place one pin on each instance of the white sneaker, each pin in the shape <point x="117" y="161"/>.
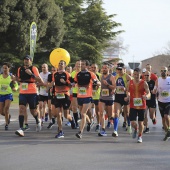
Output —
<point x="140" y="139"/>
<point x="115" y="134"/>
<point x="38" y="128"/>
<point x="20" y="132"/>
<point x="129" y="129"/>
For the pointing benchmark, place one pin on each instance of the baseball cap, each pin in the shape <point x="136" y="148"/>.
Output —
<point x="120" y="66"/>
<point x="28" y="57"/>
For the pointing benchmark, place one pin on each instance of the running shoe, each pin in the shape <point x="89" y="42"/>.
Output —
<point x="19" y="132"/>
<point x="139" y="139"/>
<point x="79" y="135"/>
<point x="154" y="121"/>
<point x="50" y="125"/>
<point x="167" y="136"/>
<point x="115" y="134"/>
<point x="102" y="133"/>
<point x="60" y="135"/>
<point x="38" y="128"/>
<point x="26" y="127"/>
<point x="97" y="128"/>
<point x="124" y="124"/>
<point x="146" y="130"/>
<point x="129" y="129"/>
<point x="134" y="134"/>
<point x="6" y="127"/>
<point x="68" y="124"/>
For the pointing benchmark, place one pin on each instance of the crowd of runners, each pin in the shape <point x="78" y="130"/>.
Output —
<point x="87" y="95"/>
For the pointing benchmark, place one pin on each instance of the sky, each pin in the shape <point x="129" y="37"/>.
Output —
<point x="146" y="24"/>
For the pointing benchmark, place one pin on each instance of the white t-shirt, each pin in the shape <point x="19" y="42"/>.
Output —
<point x="43" y="88"/>
<point x="164" y="89"/>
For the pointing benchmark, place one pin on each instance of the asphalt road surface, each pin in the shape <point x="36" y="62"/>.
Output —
<point x="41" y="151"/>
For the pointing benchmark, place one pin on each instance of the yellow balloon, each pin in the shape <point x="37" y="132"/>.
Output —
<point x="59" y="54"/>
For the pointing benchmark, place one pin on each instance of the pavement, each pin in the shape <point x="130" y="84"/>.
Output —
<point x="42" y="151"/>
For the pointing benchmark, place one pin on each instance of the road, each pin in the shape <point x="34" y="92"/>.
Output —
<point x="41" y="151"/>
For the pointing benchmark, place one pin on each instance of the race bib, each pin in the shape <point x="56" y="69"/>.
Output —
<point x="105" y="92"/>
<point x="82" y="91"/>
<point x="60" y="96"/>
<point x="164" y="93"/>
<point x="24" y="86"/>
<point x="43" y="87"/>
<point x="137" y="101"/>
<point x="120" y="90"/>
<point x="4" y="87"/>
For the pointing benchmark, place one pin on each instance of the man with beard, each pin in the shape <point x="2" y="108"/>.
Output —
<point x="163" y="89"/>
<point x="137" y="93"/>
<point x="108" y="85"/>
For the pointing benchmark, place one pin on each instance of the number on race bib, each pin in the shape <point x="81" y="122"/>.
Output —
<point x="4" y="87"/>
<point x="60" y="95"/>
<point x="24" y="86"/>
<point x="137" y="102"/>
<point x="105" y="92"/>
<point x="82" y="91"/>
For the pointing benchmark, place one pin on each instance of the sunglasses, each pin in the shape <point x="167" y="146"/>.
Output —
<point x="61" y="63"/>
<point x="147" y="75"/>
<point x="163" y="71"/>
<point x="119" y="69"/>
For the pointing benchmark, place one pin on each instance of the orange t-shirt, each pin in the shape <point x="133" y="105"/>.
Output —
<point x="85" y="83"/>
<point x="136" y="93"/>
<point x="29" y="88"/>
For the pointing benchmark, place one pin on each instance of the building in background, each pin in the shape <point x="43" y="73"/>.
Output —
<point x="156" y="62"/>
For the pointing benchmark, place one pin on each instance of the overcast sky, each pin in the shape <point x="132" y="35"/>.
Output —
<point x="146" y="24"/>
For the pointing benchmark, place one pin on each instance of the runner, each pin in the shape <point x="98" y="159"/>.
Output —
<point x="84" y="80"/>
<point x="28" y="75"/>
<point x="61" y="80"/>
<point x="163" y="89"/>
<point x="95" y="97"/>
<point x="7" y="85"/>
<point x="121" y="83"/>
<point x="150" y="103"/>
<point x="75" y="90"/>
<point x="108" y="86"/>
<point x="137" y="93"/>
<point x="51" y="107"/>
<point x="43" y="94"/>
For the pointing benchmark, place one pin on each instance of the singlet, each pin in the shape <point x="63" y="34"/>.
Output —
<point x="121" y="84"/>
<point x="136" y="93"/>
<point x="5" y="85"/>
<point x="164" y="89"/>
<point x="84" y="81"/>
<point x="105" y="93"/>
<point x="43" y="89"/>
